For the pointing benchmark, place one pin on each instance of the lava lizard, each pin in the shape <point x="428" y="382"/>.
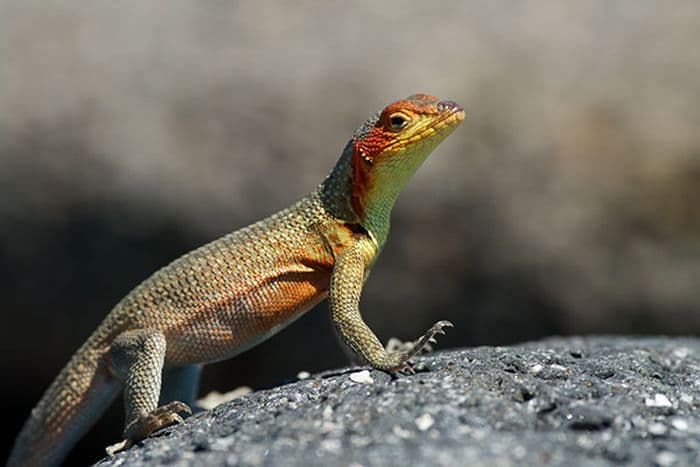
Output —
<point x="229" y="295"/>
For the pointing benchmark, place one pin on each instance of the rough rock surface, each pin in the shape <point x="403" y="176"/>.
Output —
<point x="563" y="401"/>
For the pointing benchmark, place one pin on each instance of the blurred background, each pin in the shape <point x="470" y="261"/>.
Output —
<point x="132" y="132"/>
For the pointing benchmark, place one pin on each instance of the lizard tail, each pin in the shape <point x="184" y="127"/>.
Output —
<point x="81" y="392"/>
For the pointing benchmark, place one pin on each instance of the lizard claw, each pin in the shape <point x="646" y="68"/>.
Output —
<point x="439" y="327"/>
<point x="145" y="425"/>
<point x="424" y="343"/>
<point x="405" y="368"/>
<point x="159" y="418"/>
<point x="436" y="330"/>
<point x="421" y="345"/>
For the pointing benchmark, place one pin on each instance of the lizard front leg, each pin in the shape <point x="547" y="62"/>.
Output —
<point x="345" y="289"/>
<point x="137" y="358"/>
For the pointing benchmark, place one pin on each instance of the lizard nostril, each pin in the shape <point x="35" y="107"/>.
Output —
<point x="447" y="105"/>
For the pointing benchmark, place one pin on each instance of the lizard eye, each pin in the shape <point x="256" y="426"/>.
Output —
<point x="398" y="121"/>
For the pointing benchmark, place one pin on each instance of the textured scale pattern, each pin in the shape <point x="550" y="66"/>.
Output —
<point x="229" y="293"/>
<point x="227" y="296"/>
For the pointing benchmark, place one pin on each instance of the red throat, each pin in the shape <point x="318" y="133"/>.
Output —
<point x="360" y="181"/>
<point x="369" y="146"/>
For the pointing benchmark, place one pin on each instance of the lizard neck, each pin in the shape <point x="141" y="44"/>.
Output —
<point x="336" y="193"/>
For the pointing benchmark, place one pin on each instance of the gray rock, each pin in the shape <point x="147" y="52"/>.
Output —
<point x="561" y="402"/>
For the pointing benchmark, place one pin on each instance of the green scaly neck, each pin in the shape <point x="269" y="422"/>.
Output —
<point x="336" y="190"/>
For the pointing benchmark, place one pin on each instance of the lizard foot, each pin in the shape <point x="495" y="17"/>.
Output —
<point x="422" y="344"/>
<point x="161" y="417"/>
<point x="144" y="425"/>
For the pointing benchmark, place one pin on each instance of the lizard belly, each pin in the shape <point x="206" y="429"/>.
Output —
<point x="227" y="327"/>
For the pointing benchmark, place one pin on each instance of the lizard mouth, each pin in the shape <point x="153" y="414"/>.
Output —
<point x="455" y="112"/>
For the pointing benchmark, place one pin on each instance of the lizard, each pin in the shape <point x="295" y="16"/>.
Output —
<point x="223" y="298"/>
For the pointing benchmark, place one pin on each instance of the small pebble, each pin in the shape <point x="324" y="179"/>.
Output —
<point x="665" y="459"/>
<point x="679" y="424"/>
<point x="303" y="375"/>
<point x="331" y="445"/>
<point x="425" y="421"/>
<point x="327" y="412"/>
<point x="401" y="432"/>
<point x="214" y="398"/>
<point x="362" y="377"/>
<point x="659" y="400"/>
<point x="657" y="429"/>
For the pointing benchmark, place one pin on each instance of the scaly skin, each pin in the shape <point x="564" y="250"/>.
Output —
<point x="229" y="295"/>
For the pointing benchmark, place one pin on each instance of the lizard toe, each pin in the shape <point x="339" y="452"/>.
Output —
<point x="161" y="417"/>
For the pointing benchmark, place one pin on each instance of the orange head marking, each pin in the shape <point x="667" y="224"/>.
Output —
<point x="391" y="145"/>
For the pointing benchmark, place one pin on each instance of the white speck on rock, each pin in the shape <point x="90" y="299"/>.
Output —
<point x="536" y="368"/>
<point x="659" y="400"/>
<point x="679" y="424"/>
<point x="681" y="352"/>
<point x="362" y="377"/>
<point x="665" y="459"/>
<point x="303" y="375"/>
<point x="687" y="398"/>
<point x="331" y="445"/>
<point x="327" y="412"/>
<point x="657" y="429"/>
<point x="401" y="432"/>
<point x="425" y="421"/>
<point x="585" y="441"/>
<point x="328" y="427"/>
<point x="215" y="398"/>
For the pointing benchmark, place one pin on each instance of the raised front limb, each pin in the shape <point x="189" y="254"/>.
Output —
<point x="346" y="287"/>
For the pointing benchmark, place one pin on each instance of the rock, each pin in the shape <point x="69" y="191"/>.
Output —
<point x="557" y="402"/>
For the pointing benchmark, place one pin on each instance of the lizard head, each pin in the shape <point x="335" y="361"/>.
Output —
<point x="388" y="149"/>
